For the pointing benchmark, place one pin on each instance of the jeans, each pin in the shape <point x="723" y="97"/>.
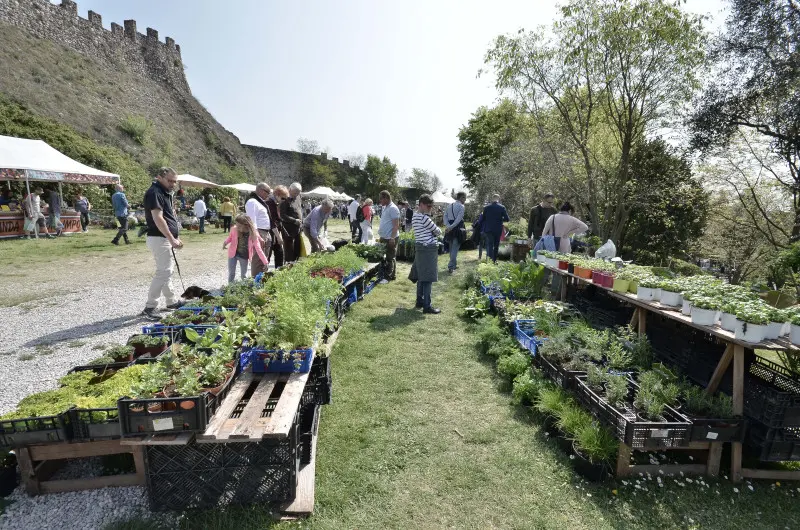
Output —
<point x="226" y="223"/>
<point x="424" y="294"/>
<point x="84" y="221"/>
<point x="123" y="228"/>
<point x="455" y="244"/>
<point x="390" y="261"/>
<point x="162" y="281"/>
<point x="492" y="245"/>
<point x="257" y="267"/>
<point x="202" y="225"/>
<point x="232" y="268"/>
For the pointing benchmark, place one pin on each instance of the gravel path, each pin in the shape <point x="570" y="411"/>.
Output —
<point x="54" y="334"/>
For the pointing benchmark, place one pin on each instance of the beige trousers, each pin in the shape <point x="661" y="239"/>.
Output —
<point x="162" y="281"/>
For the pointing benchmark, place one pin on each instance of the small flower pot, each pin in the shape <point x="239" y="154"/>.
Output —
<point x="563" y="265"/>
<point x="671" y="299"/>
<point x="794" y="334"/>
<point x="657" y="294"/>
<point x="633" y="287"/>
<point x="620" y="286"/>
<point x="703" y="317"/>
<point x="686" y="308"/>
<point x="582" y="272"/>
<point x="571" y="268"/>
<point x="597" y="277"/>
<point x="727" y="321"/>
<point x="753" y="333"/>
<point x="787" y="327"/>
<point x="645" y="293"/>
<point x="551" y="262"/>
<point x="774" y="330"/>
<point x="188" y="404"/>
<point x="608" y="280"/>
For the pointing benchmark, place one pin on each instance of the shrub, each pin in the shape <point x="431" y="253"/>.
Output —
<point x="137" y="127"/>
<point x="513" y="365"/>
<point x="525" y="388"/>
<point x="489" y="333"/>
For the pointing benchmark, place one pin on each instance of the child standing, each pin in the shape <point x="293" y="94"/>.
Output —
<point x="245" y="242"/>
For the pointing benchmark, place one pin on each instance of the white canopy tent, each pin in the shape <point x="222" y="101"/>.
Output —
<point x="243" y="187"/>
<point x="346" y="197"/>
<point x="196" y="182"/>
<point x="322" y="192"/>
<point x="440" y="198"/>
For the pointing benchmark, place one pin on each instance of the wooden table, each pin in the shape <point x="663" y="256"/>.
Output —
<point x="734" y="352"/>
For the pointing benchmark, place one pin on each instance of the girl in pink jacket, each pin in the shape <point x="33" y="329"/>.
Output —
<point x="245" y="241"/>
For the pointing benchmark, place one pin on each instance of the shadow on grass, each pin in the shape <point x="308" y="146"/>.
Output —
<point x="87" y="330"/>
<point x="401" y="317"/>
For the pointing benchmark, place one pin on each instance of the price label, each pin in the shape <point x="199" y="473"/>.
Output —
<point x="712" y="435"/>
<point x="163" y="424"/>
<point x="659" y="433"/>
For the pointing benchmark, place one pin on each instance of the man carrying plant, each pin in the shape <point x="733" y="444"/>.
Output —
<point x="162" y="238"/>
<point x="257" y="210"/>
<point x="120" y="204"/>
<point x="388" y="231"/>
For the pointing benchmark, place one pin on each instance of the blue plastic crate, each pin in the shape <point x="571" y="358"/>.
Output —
<point x="370" y="286"/>
<point x="260" y="363"/>
<point x="350" y="277"/>
<point x="161" y="329"/>
<point x="524" y="332"/>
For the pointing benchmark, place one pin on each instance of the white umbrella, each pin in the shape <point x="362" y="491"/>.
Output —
<point x="244" y="187"/>
<point x="197" y="182"/>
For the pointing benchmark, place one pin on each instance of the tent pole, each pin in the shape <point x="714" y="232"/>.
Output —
<point x="36" y="222"/>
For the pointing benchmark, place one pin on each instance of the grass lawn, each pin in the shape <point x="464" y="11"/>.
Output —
<point x="421" y="434"/>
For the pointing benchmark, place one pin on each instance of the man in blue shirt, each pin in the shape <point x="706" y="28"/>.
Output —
<point x="494" y="215"/>
<point x="120" y="204"/>
<point x="312" y="224"/>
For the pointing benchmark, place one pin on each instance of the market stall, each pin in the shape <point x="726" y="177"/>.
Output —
<point x="190" y="181"/>
<point x="33" y="162"/>
<point x="242" y="187"/>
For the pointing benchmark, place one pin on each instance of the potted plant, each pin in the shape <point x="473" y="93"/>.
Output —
<point x="151" y="345"/>
<point x="755" y="320"/>
<point x="616" y="389"/>
<point x="704" y="310"/>
<point x="646" y="289"/>
<point x="120" y="353"/>
<point x="655" y="392"/>
<point x="728" y="320"/>
<point x="794" y="329"/>
<point x="595" y="447"/>
<point x="582" y="269"/>
<point x="777" y="321"/>
<point x="670" y="293"/>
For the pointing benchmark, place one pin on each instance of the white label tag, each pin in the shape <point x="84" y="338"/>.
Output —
<point x="659" y="433"/>
<point x="712" y="435"/>
<point x="162" y="424"/>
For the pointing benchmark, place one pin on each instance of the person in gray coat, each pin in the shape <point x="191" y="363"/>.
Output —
<point x="426" y="257"/>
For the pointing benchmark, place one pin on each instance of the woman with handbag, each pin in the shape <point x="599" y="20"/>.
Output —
<point x="455" y="231"/>
<point x="563" y="225"/>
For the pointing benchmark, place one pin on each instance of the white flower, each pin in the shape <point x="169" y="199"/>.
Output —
<point x="751" y="489"/>
<point x="736" y="490"/>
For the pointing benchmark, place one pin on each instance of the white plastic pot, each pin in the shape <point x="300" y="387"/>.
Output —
<point x="657" y="294"/>
<point x="787" y="328"/>
<point x="704" y="317"/>
<point x="551" y="262"/>
<point x="671" y="299"/>
<point x="686" y="308"/>
<point x="645" y="293"/>
<point x="753" y="333"/>
<point x="541" y="259"/>
<point x="794" y="334"/>
<point x="774" y="330"/>
<point x="727" y="321"/>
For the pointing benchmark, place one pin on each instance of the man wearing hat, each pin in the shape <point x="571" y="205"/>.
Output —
<point x="32" y="206"/>
<point x="352" y="213"/>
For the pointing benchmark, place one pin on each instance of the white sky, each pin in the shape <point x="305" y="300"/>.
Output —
<point x="358" y="76"/>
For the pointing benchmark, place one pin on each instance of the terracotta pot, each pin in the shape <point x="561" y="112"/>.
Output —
<point x="583" y="273"/>
<point x="154" y="408"/>
<point x="563" y="265"/>
<point x="152" y="351"/>
<point x="187" y="405"/>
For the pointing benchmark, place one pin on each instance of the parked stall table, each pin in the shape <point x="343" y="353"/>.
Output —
<point x="734" y="352"/>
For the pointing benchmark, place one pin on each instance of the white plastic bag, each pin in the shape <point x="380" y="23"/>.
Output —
<point x="608" y="250"/>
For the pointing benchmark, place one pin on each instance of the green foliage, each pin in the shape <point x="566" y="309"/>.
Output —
<point x="371" y="253"/>
<point x="513" y="365"/>
<point x="120" y="353"/>
<point x="596" y="443"/>
<point x="504" y="347"/>
<point x="148" y="341"/>
<point x="489" y="333"/>
<point x="345" y="258"/>
<point x="474" y="304"/>
<point x="616" y="389"/>
<point x="138" y="128"/>
<point x="525" y="388"/>
<point x="699" y="403"/>
<point x="379" y="174"/>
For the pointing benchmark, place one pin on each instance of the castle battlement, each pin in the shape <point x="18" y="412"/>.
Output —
<point x="62" y="24"/>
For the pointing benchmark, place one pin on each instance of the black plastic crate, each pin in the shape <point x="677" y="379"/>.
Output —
<point x="35" y="430"/>
<point x="101" y="367"/>
<point x="306" y="430"/>
<point x="718" y="429"/>
<point x="171" y="415"/>
<point x="561" y="377"/>
<point x="772" y="395"/>
<point x="774" y="445"/>
<point x="674" y="432"/>
<point x="196" y="476"/>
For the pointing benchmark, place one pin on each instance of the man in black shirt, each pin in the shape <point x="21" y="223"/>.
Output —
<point x="162" y="237"/>
<point x="539" y="216"/>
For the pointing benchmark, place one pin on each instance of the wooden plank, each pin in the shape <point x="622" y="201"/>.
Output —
<point x="634" y="324"/>
<point x="138" y="461"/>
<point x="738" y="409"/>
<point x="277" y="426"/>
<point x="668" y="469"/>
<point x="27" y="471"/>
<point x="624" y="460"/>
<point x="642" y="321"/>
<point x="182" y="438"/>
<point x="771" y="474"/>
<point x="228" y="405"/>
<point x="714" y="457"/>
<point x="255" y="405"/>
<point x="60" y="486"/>
<point x="720" y="370"/>
<point x="303" y="502"/>
<point x="76" y="450"/>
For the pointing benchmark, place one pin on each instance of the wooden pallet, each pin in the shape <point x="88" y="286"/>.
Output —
<point x="258" y="406"/>
<point x="303" y="503"/>
<point x="37" y="463"/>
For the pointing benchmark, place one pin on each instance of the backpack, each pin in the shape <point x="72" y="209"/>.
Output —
<point x="360" y="214"/>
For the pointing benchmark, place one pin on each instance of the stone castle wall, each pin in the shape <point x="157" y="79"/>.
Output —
<point x="122" y="46"/>
<point x="285" y="167"/>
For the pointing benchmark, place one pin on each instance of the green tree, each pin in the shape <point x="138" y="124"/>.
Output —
<point x="757" y="91"/>
<point x="669" y="207"/>
<point x="619" y="66"/>
<point x="424" y="180"/>
<point x="323" y="174"/>
<point x="379" y="174"/>
<point x="482" y="140"/>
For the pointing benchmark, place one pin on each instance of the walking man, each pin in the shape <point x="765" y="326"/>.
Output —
<point x="162" y="238"/>
<point x="82" y="206"/>
<point x="257" y="210"/>
<point x="494" y="215"/>
<point x="453" y="224"/>
<point x="291" y="211"/>
<point x="32" y="208"/>
<point x="200" y="211"/>
<point x="355" y="224"/>
<point x="539" y="216"/>
<point x="54" y="219"/>
<point x="120" y="204"/>
<point x="312" y="225"/>
<point x="388" y="232"/>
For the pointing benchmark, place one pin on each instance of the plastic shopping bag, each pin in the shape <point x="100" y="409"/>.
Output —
<point x="545" y="243"/>
<point x="608" y="250"/>
<point x="30" y="224"/>
<point x="305" y="246"/>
